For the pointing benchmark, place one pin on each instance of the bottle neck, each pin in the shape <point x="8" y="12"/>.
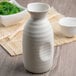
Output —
<point x="39" y="15"/>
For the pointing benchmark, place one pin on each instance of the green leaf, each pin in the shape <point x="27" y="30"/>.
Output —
<point x="4" y="0"/>
<point x="7" y="8"/>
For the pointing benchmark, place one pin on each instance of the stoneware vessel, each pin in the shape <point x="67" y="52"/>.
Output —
<point x="8" y="20"/>
<point x="68" y="26"/>
<point x="38" y="40"/>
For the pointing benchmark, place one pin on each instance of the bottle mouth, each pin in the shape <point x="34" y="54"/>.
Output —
<point x="38" y="7"/>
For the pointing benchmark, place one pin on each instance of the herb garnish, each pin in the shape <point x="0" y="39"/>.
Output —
<point x="7" y="8"/>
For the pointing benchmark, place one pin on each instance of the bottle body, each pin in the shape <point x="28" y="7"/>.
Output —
<point x="38" y="45"/>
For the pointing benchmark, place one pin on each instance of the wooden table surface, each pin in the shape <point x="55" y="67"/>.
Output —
<point x="13" y="66"/>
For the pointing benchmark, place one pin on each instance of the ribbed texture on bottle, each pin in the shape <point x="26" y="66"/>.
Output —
<point x="37" y="45"/>
<point x="39" y="30"/>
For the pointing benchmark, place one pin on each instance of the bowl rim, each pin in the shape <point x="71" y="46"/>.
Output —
<point x="13" y="14"/>
<point x="23" y="10"/>
<point x="63" y="24"/>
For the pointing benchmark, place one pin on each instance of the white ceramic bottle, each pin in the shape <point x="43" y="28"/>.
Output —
<point x="38" y="40"/>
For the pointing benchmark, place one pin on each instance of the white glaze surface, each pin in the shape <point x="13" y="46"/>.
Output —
<point x="8" y="20"/>
<point x="38" y="44"/>
<point x="68" y="26"/>
<point x="68" y="22"/>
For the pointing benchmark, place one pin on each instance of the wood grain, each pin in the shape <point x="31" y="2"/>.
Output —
<point x="13" y="66"/>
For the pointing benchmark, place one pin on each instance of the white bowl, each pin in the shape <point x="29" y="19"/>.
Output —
<point x="68" y="26"/>
<point x="8" y="20"/>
